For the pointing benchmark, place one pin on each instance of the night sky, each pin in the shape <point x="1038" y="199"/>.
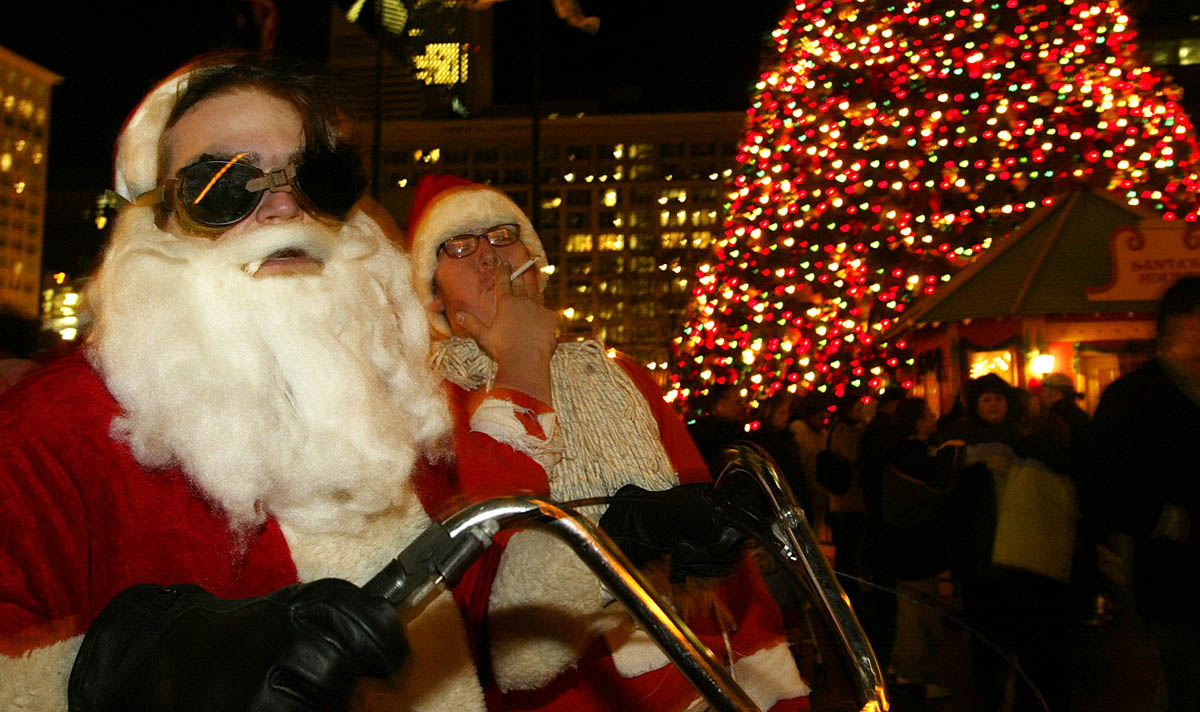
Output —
<point x="675" y="56"/>
<point x="649" y="55"/>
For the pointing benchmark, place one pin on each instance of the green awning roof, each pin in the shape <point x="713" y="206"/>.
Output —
<point x="1044" y="267"/>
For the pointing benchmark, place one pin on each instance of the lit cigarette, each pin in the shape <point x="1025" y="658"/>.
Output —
<point x="517" y="273"/>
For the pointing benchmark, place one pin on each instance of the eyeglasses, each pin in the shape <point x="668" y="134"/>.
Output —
<point x="465" y="245"/>
<point x="214" y="195"/>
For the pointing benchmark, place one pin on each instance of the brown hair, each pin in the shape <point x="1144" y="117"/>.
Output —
<point x="303" y="86"/>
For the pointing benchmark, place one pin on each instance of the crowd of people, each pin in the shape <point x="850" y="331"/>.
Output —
<point x="277" y="393"/>
<point x="1012" y="515"/>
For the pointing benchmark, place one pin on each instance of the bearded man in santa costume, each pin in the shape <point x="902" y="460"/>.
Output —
<point x="586" y="425"/>
<point x="250" y="419"/>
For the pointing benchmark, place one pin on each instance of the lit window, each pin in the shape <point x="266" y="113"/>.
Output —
<point x="674" y="240"/>
<point x="580" y="242"/>
<point x="676" y="194"/>
<point x="997" y="362"/>
<point x="640" y="241"/>
<point x="611" y="241"/>
<point x="1189" y="51"/>
<point x="442" y="63"/>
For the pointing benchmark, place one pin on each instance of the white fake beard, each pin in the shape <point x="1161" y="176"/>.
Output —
<point x="304" y="397"/>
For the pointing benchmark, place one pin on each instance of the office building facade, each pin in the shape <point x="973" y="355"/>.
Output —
<point x="24" y="138"/>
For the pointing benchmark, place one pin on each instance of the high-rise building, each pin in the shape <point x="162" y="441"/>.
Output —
<point x="628" y="205"/>
<point x="425" y="61"/>
<point x="24" y="138"/>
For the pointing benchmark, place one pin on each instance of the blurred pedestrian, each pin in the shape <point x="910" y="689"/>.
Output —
<point x="876" y="604"/>
<point x="847" y="512"/>
<point x="809" y="431"/>
<point x="1022" y="612"/>
<point x="916" y="488"/>
<point x="774" y="436"/>
<point x="722" y="423"/>
<point x="1143" y="487"/>
<point x="1060" y="400"/>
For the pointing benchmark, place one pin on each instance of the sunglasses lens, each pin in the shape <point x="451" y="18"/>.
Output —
<point x="214" y="192"/>
<point x="332" y="182"/>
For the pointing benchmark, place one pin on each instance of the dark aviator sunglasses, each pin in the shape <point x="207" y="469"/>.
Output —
<point x="215" y="195"/>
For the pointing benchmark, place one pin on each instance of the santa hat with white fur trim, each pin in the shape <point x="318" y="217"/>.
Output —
<point x="135" y="170"/>
<point x="446" y="206"/>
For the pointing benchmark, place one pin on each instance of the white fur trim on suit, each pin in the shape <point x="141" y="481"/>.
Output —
<point x="497" y="418"/>
<point x="634" y="652"/>
<point x="37" y="681"/>
<point x="545" y="606"/>
<point x="770" y="675"/>
<point x="455" y="211"/>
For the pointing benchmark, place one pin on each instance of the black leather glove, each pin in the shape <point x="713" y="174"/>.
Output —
<point x="680" y="522"/>
<point x="182" y="648"/>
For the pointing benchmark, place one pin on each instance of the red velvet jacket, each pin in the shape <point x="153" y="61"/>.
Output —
<point x="80" y="519"/>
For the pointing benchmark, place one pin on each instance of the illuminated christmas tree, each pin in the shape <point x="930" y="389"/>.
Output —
<point x="891" y="142"/>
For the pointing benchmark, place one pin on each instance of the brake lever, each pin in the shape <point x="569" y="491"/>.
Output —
<point x="434" y="560"/>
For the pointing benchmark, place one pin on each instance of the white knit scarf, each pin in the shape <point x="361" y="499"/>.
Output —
<point x="610" y="436"/>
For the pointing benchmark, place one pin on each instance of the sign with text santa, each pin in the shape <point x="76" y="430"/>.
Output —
<point x="1146" y="259"/>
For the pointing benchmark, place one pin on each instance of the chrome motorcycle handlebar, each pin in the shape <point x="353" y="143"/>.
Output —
<point x="440" y="555"/>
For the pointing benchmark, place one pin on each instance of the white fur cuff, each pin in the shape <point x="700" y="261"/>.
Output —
<point x="770" y="675"/>
<point x="498" y="418"/>
<point x="37" y="681"/>
<point x="634" y="652"/>
<point x="545" y="608"/>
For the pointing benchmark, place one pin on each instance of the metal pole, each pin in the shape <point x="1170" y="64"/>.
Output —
<point x="535" y="141"/>
<point x="377" y="129"/>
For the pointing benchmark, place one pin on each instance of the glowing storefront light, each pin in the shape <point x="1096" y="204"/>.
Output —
<point x="997" y="362"/>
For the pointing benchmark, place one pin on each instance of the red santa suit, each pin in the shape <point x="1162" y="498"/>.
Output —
<point x="81" y="520"/>
<point x="548" y="636"/>
<point x="92" y="499"/>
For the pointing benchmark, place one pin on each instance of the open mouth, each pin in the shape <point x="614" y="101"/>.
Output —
<point x="288" y="261"/>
